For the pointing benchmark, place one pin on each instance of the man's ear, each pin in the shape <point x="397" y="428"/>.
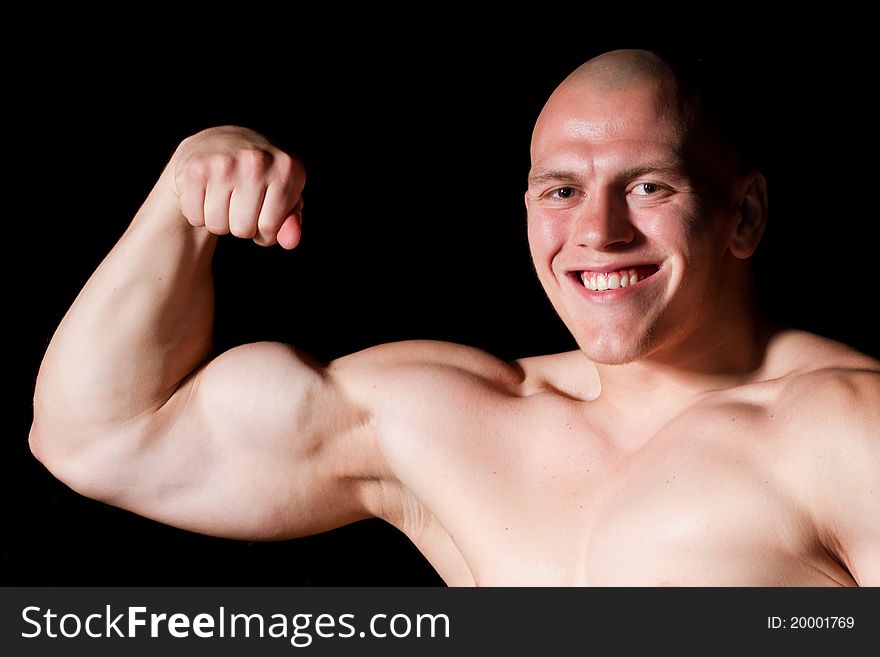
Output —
<point x="751" y="216"/>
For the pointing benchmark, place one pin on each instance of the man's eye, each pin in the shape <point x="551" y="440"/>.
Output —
<point x="646" y="189"/>
<point x="563" y="193"/>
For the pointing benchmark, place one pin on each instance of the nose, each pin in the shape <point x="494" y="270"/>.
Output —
<point x="603" y="222"/>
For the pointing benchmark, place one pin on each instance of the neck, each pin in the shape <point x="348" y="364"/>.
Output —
<point x="723" y="350"/>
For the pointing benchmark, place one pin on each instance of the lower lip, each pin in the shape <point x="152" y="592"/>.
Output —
<point x="609" y="296"/>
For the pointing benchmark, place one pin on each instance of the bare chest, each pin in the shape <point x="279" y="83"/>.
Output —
<point x="703" y="501"/>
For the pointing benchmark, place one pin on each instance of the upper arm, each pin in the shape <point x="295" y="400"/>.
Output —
<point x="263" y="443"/>
<point x="259" y="443"/>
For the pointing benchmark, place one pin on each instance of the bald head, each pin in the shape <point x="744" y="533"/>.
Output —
<point x="685" y="96"/>
<point x="621" y="69"/>
<point x="622" y="74"/>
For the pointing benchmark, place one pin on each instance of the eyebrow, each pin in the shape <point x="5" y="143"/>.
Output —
<point x="668" y="169"/>
<point x="552" y="175"/>
<point x="540" y="176"/>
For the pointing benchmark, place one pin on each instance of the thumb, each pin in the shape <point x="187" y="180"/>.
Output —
<point x="291" y="230"/>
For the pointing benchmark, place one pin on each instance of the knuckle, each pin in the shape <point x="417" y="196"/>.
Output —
<point x="284" y="161"/>
<point x="197" y="171"/>
<point x="254" y="163"/>
<point x="289" y="170"/>
<point x="222" y="165"/>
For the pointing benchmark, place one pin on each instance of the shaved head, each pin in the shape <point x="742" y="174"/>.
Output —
<point x="620" y="69"/>
<point x="612" y="75"/>
<point x="701" y="102"/>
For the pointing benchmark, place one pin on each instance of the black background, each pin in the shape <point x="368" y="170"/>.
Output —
<point x="417" y="152"/>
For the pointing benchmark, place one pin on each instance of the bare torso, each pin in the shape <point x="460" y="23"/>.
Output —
<point x="543" y="487"/>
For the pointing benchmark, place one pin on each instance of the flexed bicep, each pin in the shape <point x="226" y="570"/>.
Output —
<point x="258" y="445"/>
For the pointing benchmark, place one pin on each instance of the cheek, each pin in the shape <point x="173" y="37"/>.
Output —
<point x="677" y="229"/>
<point x="669" y="225"/>
<point x="546" y="238"/>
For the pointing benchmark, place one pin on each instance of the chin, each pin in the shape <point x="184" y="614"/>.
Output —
<point x="611" y="350"/>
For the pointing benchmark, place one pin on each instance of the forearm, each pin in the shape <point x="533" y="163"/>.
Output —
<point x="140" y="325"/>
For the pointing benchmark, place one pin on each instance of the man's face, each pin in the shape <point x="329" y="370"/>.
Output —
<point x="628" y="233"/>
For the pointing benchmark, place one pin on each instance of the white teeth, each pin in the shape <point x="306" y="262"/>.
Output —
<point x="609" y="280"/>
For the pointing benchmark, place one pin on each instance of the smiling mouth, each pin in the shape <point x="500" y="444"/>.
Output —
<point x="612" y="280"/>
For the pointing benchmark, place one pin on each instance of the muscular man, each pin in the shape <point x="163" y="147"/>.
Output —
<point x="684" y="443"/>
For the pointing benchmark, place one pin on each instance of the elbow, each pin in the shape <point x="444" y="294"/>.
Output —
<point x="46" y="451"/>
<point x="36" y="443"/>
<point x="67" y="461"/>
<point x="57" y="461"/>
<point x="55" y="439"/>
<point x="45" y="432"/>
<point x="45" y="443"/>
<point x="73" y="451"/>
<point x="92" y="461"/>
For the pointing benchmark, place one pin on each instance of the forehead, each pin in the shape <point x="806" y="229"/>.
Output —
<point x="589" y="121"/>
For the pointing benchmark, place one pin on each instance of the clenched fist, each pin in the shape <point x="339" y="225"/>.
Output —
<point x="232" y="180"/>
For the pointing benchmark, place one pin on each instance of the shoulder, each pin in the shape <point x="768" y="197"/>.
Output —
<point x="568" y="374"/>
<point x="826" y="404"/>
<point x="830" y="392"/>
<point x="835" y="411"/>
<point x="420" y="400"/>
<point x="793" y="352"/>
<point x="401" y="360"/>
<point x="826" y="382"/>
